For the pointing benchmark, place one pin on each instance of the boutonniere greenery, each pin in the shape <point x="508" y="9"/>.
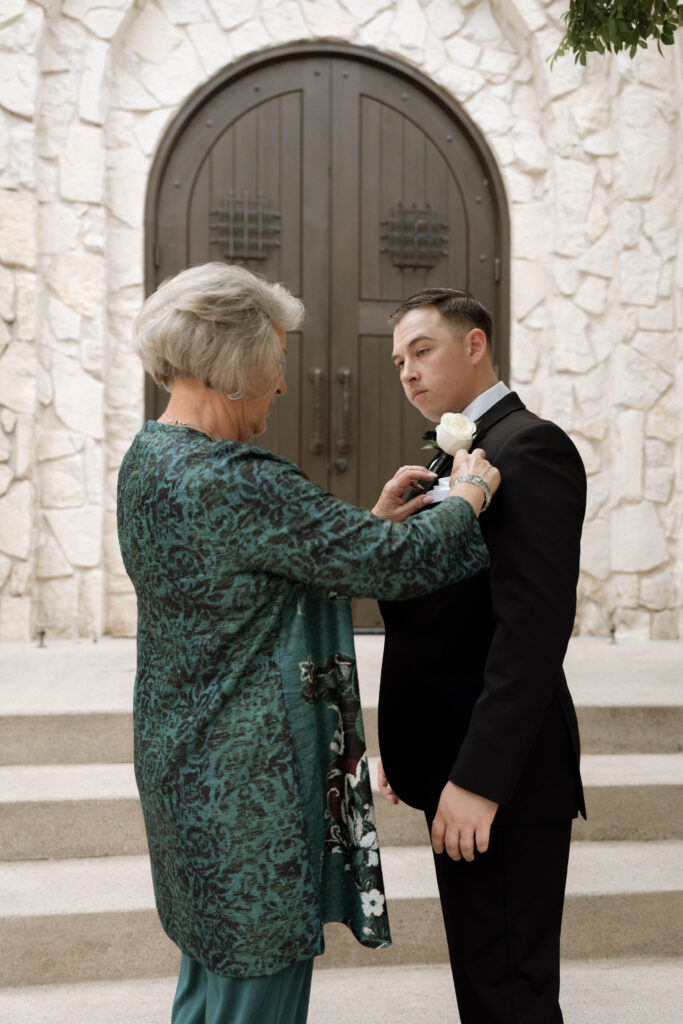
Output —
<point x="453" y="432"/>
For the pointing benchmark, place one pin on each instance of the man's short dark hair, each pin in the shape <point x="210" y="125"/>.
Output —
<point x="458" y="307"/>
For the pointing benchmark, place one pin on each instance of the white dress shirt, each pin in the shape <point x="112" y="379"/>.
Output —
<point x="485" y="401"/>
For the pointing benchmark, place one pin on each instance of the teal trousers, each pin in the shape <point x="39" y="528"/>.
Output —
<point x="206" y="998"/>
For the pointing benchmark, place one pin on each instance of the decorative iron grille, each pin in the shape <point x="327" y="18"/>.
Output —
<point x="244" y="227"/>
<point x="415" y="238"/>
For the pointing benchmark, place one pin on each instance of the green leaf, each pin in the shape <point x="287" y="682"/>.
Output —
<point x="613" y="26"/>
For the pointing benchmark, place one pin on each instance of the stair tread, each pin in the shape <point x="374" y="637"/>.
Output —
<point x="104" y="884"/>
<point x="76" y="677"/>
<point x="593" y="992"/>
<point x="47" y="783"/>
<point x="67" y="677"/>
<point x="632" y="769"/>
<point x="67" y="782"/>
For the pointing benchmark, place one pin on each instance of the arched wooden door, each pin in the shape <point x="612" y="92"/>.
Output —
<point x="350" y="180"/>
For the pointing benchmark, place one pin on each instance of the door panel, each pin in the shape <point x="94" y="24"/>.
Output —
<point x="254" y="154"/>
<point x="355" y="186"/>
<point x="250" y="178"/>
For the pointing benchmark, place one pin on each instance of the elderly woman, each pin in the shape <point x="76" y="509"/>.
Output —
<point x="249" y="749"/>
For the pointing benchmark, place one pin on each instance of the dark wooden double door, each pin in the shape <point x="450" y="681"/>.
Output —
<point x="353" y="186"/>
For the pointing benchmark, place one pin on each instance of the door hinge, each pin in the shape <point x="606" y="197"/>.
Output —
<point x="496" y="269"/>
<point x="156" y="254"/>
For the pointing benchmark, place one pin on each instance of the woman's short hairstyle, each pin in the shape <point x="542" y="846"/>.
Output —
<point x="216" y="322"/>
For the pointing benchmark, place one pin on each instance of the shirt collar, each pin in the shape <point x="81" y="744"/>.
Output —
<point x="485" y="401"/>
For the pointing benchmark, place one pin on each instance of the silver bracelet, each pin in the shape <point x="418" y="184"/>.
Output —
<point x="470" y="478"/>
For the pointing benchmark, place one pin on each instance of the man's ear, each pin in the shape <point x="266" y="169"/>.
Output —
<point x="477" y="346"/>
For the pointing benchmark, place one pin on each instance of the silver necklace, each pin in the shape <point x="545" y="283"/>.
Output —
<point x="171" y="421"/>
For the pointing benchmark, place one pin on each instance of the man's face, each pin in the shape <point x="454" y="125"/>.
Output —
<point x="434" y="362"/>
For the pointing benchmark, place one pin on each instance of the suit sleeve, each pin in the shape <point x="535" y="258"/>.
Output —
<point x="534" y="540"/>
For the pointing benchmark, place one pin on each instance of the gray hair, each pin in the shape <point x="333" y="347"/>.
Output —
<point x="216" y="322"/>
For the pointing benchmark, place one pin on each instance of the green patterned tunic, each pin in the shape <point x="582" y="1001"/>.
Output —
<point x="249" y="750"/>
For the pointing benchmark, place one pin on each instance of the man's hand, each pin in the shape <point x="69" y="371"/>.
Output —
<point x="383" y="785"/>
<point x="390" y="504"/>
<point x="462" y="820"/>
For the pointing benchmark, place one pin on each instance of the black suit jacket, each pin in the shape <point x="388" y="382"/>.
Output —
<point x="472" y="686"/>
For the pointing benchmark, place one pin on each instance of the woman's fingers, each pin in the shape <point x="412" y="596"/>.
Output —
<point x="390" y="504"/>
<point x="408" y="508"/>
<point x="411" y="476"/>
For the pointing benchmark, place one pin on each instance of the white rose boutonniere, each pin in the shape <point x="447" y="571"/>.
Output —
<point x="454" y="432"/>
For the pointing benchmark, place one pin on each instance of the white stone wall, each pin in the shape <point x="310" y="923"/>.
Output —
<point x="591" y="160"/>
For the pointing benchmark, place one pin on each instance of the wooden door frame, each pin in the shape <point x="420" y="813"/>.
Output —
<point x="436" y="93"/>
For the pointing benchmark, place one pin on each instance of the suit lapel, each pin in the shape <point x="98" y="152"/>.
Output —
<point x="510" y="403"/>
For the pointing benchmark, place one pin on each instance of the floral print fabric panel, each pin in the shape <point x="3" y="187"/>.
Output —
<point x="349" y="860"/>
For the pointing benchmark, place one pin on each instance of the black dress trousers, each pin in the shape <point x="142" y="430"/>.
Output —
<point x="503" y="913"/>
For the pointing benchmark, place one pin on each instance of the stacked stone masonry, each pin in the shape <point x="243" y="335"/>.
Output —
<point x="592" y="163"/>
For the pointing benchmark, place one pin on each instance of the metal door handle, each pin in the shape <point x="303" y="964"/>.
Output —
<point x="316" y="442"/>
<point x="344" y="435"/>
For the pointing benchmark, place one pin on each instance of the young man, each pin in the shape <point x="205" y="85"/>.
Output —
<point x="476" y="724"/>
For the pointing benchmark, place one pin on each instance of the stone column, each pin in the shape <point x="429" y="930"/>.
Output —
<point x="70" y="144"/>
<point x="20" y="384"/>
<point x="600" y="349"/>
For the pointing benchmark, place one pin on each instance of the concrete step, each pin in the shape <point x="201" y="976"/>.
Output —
<point x="66" y="703"/>
<point x="94" y="918"/>
<point x="593" y="992"/>
<point x="63" y="811"/>
<point x="632" y="796"/>
<point x="82" y="737"/>
<point x="74" y="698"/>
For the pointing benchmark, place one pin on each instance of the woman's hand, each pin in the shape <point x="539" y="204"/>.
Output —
<point x="390" y="504"/>
<point x="474" y="464"/>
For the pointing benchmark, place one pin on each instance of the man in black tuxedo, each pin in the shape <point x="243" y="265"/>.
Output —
<point x="476" y="723"/>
